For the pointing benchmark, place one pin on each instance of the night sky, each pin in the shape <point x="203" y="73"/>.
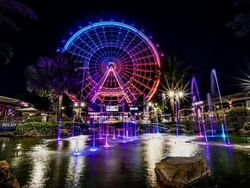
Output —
<point x="194" y="31"/>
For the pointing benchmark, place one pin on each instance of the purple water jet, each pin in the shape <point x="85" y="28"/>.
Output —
<point x="215" y="87"/>
<point x="210" y="113"/>
<point x="198" y="108"/>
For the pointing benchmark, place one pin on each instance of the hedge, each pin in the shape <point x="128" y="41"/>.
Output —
<point x="45" y="128"/>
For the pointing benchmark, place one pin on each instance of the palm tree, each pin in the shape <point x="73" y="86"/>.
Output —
<point x="175" y="75"/>
<point x="245" y="83"/>
<point x="175" y="78"/>
<point x="52" y="77"/>
<point x="8" y="7"/>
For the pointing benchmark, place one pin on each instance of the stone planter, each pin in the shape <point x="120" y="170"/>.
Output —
<point x="6" y="179"/>
<point x="179" y="172"/>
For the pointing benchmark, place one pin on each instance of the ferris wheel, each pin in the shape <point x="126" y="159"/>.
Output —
<point x="120" y="62"/>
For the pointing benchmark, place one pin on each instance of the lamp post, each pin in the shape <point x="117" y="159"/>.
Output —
<point x="79" y="106"/>
<point x="175" y="96"/>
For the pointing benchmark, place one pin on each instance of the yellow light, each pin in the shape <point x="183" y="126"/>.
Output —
<point x="171" y="94"/>
<point x="181" y="94"/>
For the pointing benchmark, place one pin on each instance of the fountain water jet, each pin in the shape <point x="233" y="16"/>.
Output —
<point x="197" y="106"/>
<point x="76" y="152"/>
<point x="59" y="131"/>
<point x="210" y="111"/>
<point x="215" y="85"/>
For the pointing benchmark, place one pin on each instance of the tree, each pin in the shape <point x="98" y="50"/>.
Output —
<point x="175" y="77"/>
<point x="174" y="84"/>
<point x="237" y="116"/>
<point x="52" y="77"/>
<point x="7" y="9"/>
<point x="245" y="83"/>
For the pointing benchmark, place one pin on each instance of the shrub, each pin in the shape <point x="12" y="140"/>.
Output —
<point x="246" y="125"/>
<point x="188" y="124"/>
<point x="237" y="117"/>
<point x="45" y="128"/>
<point x="33" y="119"/>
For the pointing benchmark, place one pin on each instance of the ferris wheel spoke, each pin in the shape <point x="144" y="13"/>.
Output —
<point x="143" y="58"/>
<point x="77" y="47"/>
<point x="117" y="52"/>
<point x="124" y="39"/>
<point x="141" y="83"/>
<point x="126" y="74"/>
<point x="105" y="54"/>
<point x="133" y="48"/>
<point x="141" y="76"/>
<point x="129" y="43"/>
<point x="144" y="70"/>
<point x="136" y="88"/>
<point x="129" y="64"/>
<point x="117" y="43"/>
<point x="141" y="52"/>
<point x="87" y="45"/>
<point x="96" y="47"/>
<point x="140" y="70"/>
<point x="106" y="42"/>
<point x="92" y="50"/>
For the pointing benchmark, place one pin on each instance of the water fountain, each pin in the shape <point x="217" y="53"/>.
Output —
<point x="76" y="151"/>
<point x="210" y="113"/>
<point x="198" y="109"/>
<point x="215" y="89"/>
<point x="177" y="108"/>
<point x="59" y="129"/>
<point x="114" y="130"/>
<point x="106" y="137"/>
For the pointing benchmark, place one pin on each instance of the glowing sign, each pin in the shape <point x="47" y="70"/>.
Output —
<point x="112" y="108"/>
<point x="133" y="108"/>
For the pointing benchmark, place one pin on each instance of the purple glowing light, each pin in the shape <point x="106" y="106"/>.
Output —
<point x="106" y="145"/>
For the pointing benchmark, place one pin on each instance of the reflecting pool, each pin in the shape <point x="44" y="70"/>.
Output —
<point x="42" y="163"/>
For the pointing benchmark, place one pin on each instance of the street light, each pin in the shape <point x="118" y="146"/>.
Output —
<point x="175" y="96"/>
<point x="180" y="94"/>
<point x="171" y="94"/>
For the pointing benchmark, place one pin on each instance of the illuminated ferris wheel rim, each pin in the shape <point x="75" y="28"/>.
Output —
<point x="85" y="29"/>
<point x="136" y="68"/>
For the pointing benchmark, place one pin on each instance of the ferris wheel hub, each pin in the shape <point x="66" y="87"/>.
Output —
<point x="111" y="65"/>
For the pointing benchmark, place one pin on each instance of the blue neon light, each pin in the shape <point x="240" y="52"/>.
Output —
<point x="83" y="30"/>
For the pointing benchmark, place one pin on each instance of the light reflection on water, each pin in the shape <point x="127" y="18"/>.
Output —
<point x="40" y="158"/>
<point x="182" y="146"/>
<point x="154" y="153"/>
<point x="51" y="163"/>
